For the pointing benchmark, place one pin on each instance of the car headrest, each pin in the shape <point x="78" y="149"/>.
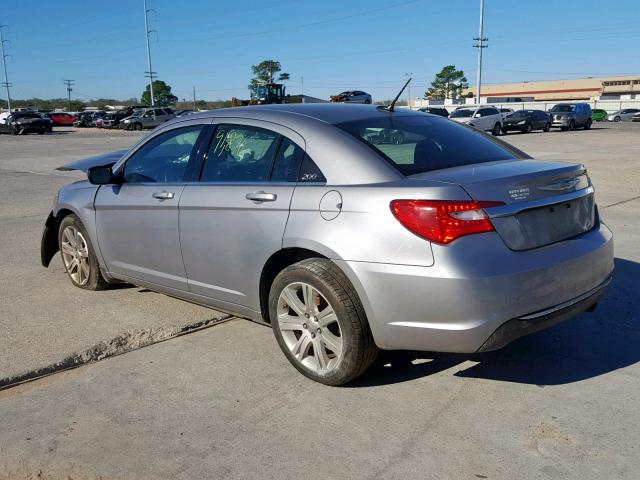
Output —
<point x="428" y="155"/>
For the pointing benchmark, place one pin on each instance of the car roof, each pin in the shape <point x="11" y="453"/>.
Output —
<point x="331" y="113"/>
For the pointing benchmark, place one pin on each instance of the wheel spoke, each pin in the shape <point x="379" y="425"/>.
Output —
<point x="301" y="348"/>
<point x="68" y="232"/>
<point x="293" y="301"/>
<point x="73" y="265"/>
<point x="327" y="317"/>
<point x="84" y="252"/>
<point x="308" y="293"/>
<point x="332" y="342"/>
<point x="84" y="267"/>
<point x="289" y="322"/>
<point x="321" y="355"/>
<point x="67" y="248"/>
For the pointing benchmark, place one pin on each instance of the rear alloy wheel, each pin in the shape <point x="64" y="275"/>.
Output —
<point x="79" y="260"/>
<point x="616" y="119"/>
<point x="547" y="127"/>
<point x="319" y="322"/>
<point x="527" y="128"/>
<point x="572" y="126"/>
<point x="496" y="129"/>
<point x="587" y="126"/>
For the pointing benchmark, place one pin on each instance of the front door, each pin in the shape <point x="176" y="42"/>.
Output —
<point x="137" y="220"/>
<point x="234" y="218"/>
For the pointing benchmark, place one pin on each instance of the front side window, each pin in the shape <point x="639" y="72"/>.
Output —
<point x="420" y="143"/>
<point x="239" y="153"/>
<point x="164" y="158"/>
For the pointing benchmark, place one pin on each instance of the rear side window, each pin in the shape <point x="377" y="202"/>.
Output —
<point x="240" y="153"/>
<point x="418" y="144"/>
<point x="287" y="163"/>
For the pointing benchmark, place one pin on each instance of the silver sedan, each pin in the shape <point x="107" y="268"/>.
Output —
<point x="348" y="229"/>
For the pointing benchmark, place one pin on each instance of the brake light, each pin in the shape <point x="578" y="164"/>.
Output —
<point x="443" y="221"/>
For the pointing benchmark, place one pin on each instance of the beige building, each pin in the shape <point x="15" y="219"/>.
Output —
<point x="592" y="88"/>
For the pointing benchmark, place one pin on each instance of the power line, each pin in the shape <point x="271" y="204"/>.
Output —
<point x="6" y="82"/>
<point x="69" y="84"/>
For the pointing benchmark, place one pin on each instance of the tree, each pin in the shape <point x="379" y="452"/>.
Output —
<point x="265" y="72"/>
<point x="449" y="83"/>
<point x="161" y="93"/>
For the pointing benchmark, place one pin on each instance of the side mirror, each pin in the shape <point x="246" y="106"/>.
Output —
<point x="100" y="175"/>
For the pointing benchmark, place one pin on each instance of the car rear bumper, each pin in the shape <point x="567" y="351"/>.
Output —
<point x="462" y="301"/>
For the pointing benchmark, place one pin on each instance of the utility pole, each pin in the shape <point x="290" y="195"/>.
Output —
<point x="409" y="75"/>
<point x="149" y="73"/>
<point x="69" y="84"/>
<point x="195" y="107"/>
<point x="480" y="44"/>
<point x="6" y="83"/>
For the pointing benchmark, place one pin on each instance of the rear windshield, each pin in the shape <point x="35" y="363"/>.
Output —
<point x="462" y="113"/>
<point x="563" y="108"/>
<point x="418" y="144"/>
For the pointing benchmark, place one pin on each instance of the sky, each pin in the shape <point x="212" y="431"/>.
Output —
<point x="326" y="46"/>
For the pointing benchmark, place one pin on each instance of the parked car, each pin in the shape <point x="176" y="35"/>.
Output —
<point x="113" y="119"/>
<point x="598" y="115"/>
<point x="505" y="112"/>
<point x="87" y="119"/>
<point x="148" y="118"/>
<point x="443" y="112"/>
<point x="569" y="116"/>
<point x="182" y="113"/>
<point x="625" y="115"/>
<point x="483" y="118"/>
<point x="24" y="122"/>
<point x="526" y="121"/>
<point x="636" y="118"/>
<point x="62" y="118"/>
<point x="352" y="96"/>
<point x="286" y="214"/>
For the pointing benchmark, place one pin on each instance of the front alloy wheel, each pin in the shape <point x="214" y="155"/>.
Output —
<point x="75" y="255"/>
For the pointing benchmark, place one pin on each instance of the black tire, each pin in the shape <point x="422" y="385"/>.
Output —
<point x="496" y="130"/>
<point x="587" y="125"/>
<point x="137" y="126"/>
<point x="367" y="101"/>
<point x="547" y="127"/>
<point x="358" y="348"/>
<point x="617" y="119"/>
<point x="572" y="126"/>
<point x="14" y="130"/>
<point x="527" y="128"/>
<point x="563" y="129"/>
<point x="95" y="281"/>
<point x="504" y="131"/>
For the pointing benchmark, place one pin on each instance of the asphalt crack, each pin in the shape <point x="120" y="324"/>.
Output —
<point x="123" y="343"/>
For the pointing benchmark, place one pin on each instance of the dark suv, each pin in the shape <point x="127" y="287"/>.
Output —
<point x="569" y="116"/>
<point x="443" y="112"/>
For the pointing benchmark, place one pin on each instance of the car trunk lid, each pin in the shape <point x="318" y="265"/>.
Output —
<point x="544" y="202"/>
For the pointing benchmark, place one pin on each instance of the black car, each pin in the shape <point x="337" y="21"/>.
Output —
<point x="526" y="121"/>
<point x="25" y="122"/>
<point x="443" y="112"/>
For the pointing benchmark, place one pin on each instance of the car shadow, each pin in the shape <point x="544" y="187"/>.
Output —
<point x="590" y="345"/>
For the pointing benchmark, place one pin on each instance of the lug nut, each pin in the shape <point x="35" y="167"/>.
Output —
<point x="313" y="335"/>
<point x="319" y="331"/>
<point x="306" y="315"/>
<point x="304" y="325"/>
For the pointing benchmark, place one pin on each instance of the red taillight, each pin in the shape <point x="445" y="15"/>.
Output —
<point x="442" y="221"/>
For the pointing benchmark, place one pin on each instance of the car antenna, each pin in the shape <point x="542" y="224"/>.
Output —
<point x="391" y="106"/>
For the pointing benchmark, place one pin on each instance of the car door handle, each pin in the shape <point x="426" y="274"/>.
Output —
<point x="163" y="195"/>
<point x="261" y="196"/>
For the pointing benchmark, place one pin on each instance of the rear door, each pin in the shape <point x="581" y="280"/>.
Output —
<point x="233" y="219"/>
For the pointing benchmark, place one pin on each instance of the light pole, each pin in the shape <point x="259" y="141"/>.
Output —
<point x="480" y="40"/>
<point x="409" y="75"/>
<point x="149" y="73"/>
<point x="6" y="83"/>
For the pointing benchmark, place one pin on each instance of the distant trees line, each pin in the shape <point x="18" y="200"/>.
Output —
<point x="79" y="105"/>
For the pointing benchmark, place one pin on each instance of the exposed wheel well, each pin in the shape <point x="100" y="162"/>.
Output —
<point x="276" y="263"/>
